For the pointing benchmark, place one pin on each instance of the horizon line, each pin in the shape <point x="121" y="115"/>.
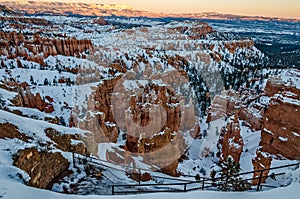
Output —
<point x="162" y="12"/>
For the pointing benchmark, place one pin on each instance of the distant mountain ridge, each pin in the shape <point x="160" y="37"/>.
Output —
<point x="87" y="9"/>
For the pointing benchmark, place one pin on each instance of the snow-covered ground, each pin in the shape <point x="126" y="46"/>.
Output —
<point x="13" y="190"/>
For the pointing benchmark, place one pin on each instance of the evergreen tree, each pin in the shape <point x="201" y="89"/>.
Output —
<point x="2" y="102"/>
<point x="46" y="82"/>
<point x="62" y="121"/>
<point x="31" y="79"/>
<point x="229" y="179"/>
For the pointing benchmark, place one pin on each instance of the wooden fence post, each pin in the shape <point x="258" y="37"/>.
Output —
<point x="184" y="188"/>
<point x="139" y="173"/>
<point x="113" y="190"/>
<point x="259" y="181"/>
<point x="73" y="157"/>
<point x="203" y="184"/>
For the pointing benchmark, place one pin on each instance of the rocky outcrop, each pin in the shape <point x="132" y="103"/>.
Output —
<point x="236" y="102"/>
<point x="26" y="99"/>
<point x="13" y="38"/>
<point x="39" y="47"/>
<point x="100" y="100"/>
<point x="232" y="46"/>
<point x="67" y="142"/>
<point x="162" y="150"/>
<point x="232" y="102"/>
<point x="100" y="119"/>
<point x="25" y="20"/>
<point x="119" y="156"/>
<point x="102" y="131"/>
<point x="221" y="106"/>
<point x="100" y="21"/>
<point x="144" y="177"/>
<point x="281" y="125"/>
<point x="251" y="118"/>
<point x="276" y="86"/>
<point x="153" y="124"/>
<point x="11" y="131"/>
<point x="198" y="32"/>
<point x="43" y="168"/>
<point x="262" y="161"/>
<point x="231" y="141"/>
<point x="67" y="47"/>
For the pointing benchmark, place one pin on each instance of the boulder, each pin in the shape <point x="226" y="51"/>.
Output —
<point x="43" y="168"/>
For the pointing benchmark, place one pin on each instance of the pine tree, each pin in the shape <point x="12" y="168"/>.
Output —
<point x="46" y="82"/>
<point x="229" y="179"/>
<point x="2" y="102"/>
<point x="31" y="79"/>
<point x="228" y="172"/>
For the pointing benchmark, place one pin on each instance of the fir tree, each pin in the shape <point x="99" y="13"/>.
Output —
<point x="229" y="179"/>
<point x="46" y="82"/>
<point x="31" y="79"/>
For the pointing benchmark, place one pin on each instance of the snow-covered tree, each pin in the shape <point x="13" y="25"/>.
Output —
<point x="227" y="179"/>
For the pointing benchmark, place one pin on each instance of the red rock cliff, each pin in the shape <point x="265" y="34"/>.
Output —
<point x="40" y="47"/>
<point x="281" y="123"/>
<point x="231" y="141"/>
<point x="26" y="99"/>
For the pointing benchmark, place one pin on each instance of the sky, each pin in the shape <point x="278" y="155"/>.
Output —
<point x="275" y="8"/>
<point x="281" y="8"/>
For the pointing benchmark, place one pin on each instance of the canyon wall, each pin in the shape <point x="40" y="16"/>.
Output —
<point x="38" y="48"/>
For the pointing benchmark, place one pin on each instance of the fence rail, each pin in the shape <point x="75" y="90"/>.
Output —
<point x="182" y="185"/>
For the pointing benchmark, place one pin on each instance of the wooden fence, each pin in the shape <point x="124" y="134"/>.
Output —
<point x="181" y="185"/>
